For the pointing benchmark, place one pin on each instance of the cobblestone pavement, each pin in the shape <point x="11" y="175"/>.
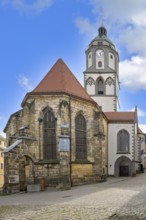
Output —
<point x="118" y="198"/>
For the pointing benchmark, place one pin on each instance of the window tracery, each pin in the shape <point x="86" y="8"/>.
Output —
<point x="123" y="141"/>
<point x="90" y="81"/>
<point x="49" y="135"/>
<point x="80" y="134"/>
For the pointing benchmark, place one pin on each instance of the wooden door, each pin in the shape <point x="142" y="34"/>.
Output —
<point x="124" y="171"/>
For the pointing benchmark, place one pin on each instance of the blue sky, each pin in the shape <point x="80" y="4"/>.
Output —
<point x="36" y="33"/>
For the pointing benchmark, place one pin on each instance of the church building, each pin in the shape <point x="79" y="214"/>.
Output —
<point x="101" y="80"/>
<point x="67" y="135"/>
<point x="59" y="136"/>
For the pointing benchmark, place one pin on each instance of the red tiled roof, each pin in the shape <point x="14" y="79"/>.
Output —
<point x="61" y="80"/>
<point x="120" y="116"/>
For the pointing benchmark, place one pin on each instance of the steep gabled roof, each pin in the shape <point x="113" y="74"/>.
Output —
<point x="61" y="80"/>
<point x="120" y="116"/>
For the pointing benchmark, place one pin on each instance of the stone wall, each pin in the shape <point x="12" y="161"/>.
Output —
<point x="28" y="159"/>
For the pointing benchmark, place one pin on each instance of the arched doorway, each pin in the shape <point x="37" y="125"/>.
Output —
<point x="123" y="166"/>
<point x="26" y="172"/>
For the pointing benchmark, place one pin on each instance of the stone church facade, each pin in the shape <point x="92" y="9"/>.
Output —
<point x="59" y="136"/>
<point x="68" y="135"/>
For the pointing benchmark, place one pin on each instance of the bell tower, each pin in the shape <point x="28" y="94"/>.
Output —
<point x="101" y="77"/>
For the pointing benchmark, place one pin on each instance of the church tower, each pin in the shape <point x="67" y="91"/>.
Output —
<point x="101" y="77"/>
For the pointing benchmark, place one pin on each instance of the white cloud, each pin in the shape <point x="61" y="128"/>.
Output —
<point x="140" y="112"/>
<point x="85" y="26"/>
<point x="24" y="82"/>
<point x="132" y="39"/>
<point x="21" y="5"/>
<point x="132" y="73"/>
<point x="143" y="127"/>
<point x="122" y="11"/>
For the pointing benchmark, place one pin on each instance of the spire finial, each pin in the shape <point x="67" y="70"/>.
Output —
<point x="102" y="22"/>
<point x="102" y="30"/>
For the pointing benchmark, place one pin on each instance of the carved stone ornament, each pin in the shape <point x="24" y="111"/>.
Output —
<point x="30" y="104"/>
<point x="97" y="115"/>
<point x="90" y="81"/>
<point x="109" y="81"/>
<point x="64" y="113"/>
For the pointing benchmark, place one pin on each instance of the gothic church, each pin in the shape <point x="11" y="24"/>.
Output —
<point x="67" y="135"/>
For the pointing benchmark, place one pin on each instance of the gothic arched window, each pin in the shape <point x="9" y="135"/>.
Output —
<point x="100" y="87"/>
<point x="123" y="142"/>
<point x="49" y="135"/>
<point x="81" y="148"/>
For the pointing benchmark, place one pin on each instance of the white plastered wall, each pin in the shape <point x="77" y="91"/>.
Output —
<point x="107" y="103"/>
<point x="109" y="89"/>
<point x="90" y="89"/>
<point x="89" y="59"/>
<point x="99" y="59"/>
<point x="142" y="147"/>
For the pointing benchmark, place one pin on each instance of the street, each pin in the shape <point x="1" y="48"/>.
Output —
<point x="117" y="198"/>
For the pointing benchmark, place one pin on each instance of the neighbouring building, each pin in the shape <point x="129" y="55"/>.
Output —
<point x="124" y="152"/>
<point x="2" y="147"/>
<point x="66" y="134"/>
<point x="141" y="146"/>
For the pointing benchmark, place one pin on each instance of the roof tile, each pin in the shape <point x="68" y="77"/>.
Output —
<point x="61" y="80"/>
<point x="120" y="116"/>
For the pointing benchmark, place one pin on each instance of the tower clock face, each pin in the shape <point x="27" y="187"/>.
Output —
<point x="99" y="53"/>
